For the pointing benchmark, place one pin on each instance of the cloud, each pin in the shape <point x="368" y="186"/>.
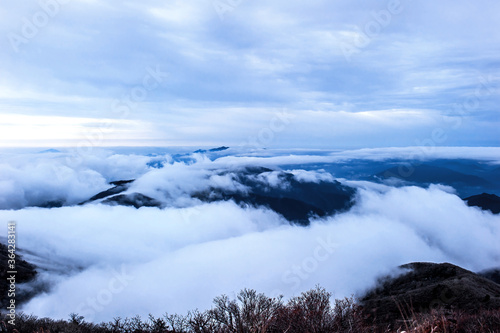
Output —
<point x="312" y="176"/>
<point x="261" y="56"/>
<point x="37" y="179"/>
<point x="72" y="176"/>
<point x="416" y="153"/>
<point x="122" y="261"/>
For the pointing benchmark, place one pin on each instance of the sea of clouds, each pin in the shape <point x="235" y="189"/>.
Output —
<point x="106" y="261"/>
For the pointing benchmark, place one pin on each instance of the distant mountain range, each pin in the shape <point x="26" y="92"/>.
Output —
<point x="467" y="177"/>
<point x="300" y="200"/>
<point x="474" y="178"/>
<point x="222" y="148"/>
<point x="297" y="201"/>
<point x="429" y="174"/>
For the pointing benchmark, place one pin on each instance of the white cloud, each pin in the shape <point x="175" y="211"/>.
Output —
<point x="34" y="179"/>
<point x="179" y="259"/>
<point x="263" y="55"/>
<point x="107" y="261"/>
<point x="312" y="176"/>
<point x="423" y="153"/>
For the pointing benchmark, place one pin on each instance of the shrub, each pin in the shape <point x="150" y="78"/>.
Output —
<point x="251" y="312"/>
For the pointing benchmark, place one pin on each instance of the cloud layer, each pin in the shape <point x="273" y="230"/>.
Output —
<point x="356" y="75"/>
<point x="152" y="261"/>
<point x="72" y="176"/>
<point x="108" y="261"/>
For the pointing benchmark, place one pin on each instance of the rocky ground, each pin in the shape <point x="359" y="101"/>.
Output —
<point x="429" y="286"/>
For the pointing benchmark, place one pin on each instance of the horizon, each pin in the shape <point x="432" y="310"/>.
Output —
<point x="239" y="219"/>
<point x="157" y="154"/>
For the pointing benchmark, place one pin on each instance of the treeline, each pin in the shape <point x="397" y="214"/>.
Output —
<point x="252" y="312"/>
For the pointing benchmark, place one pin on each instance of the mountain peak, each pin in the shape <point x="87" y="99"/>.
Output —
<point x="485" y="201"/>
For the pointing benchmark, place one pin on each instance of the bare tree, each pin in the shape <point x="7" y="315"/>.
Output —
<point x="250" y="313"/>
<point x="310" y="312"/>
<point x="202" y="322"/>
<point x="176" y="323"/>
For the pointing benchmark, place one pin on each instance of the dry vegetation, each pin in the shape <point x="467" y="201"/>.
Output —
<point x="251" y="312"/>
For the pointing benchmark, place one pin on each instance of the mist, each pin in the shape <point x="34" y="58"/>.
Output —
<point x="105" y="261"/>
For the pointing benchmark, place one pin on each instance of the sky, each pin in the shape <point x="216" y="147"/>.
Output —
<point x="360" y="79"/>
<point x="322" y="74"/>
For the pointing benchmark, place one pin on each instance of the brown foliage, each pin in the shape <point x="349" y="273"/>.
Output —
<point x="251" y="312"/>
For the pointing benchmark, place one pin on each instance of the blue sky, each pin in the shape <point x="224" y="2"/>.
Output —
<point x="322" y="74"/>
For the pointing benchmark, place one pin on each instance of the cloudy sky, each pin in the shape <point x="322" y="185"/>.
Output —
<point x="321" y="74"/>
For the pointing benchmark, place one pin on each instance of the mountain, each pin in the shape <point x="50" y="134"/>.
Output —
<point x="136" y="200"/>
<point x="429" y="174"/>
<point x="485" y="201"/>
<point x="119" y="187"/>
<point x="426" y="286"/>
<point x="113" y="197"/>
<point x="426" y="174"/>
<point x="295" y="200"/>
<point x="47" y="151"/>
<point x="213" y="150"/>
<point x="491" y="274"/>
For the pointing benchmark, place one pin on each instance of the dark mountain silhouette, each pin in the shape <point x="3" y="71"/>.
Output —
<point x="294" y="200"/>
<point x="53" y="204"/>
<point x="137" y="200"/>
<point x="213" y="150"/>
<point x="485" y="201"/>
<point x="467" y="176"/>
<point x="427" y="286"/>
<point x="425" y="174"/>
<point x="113" y="197"/>
<point x="431" y="175"/>
<point x="120" y="186"/>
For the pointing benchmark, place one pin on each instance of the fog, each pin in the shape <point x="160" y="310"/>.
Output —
<point x="31" y="179"/>
<point x="107" y="261"/>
